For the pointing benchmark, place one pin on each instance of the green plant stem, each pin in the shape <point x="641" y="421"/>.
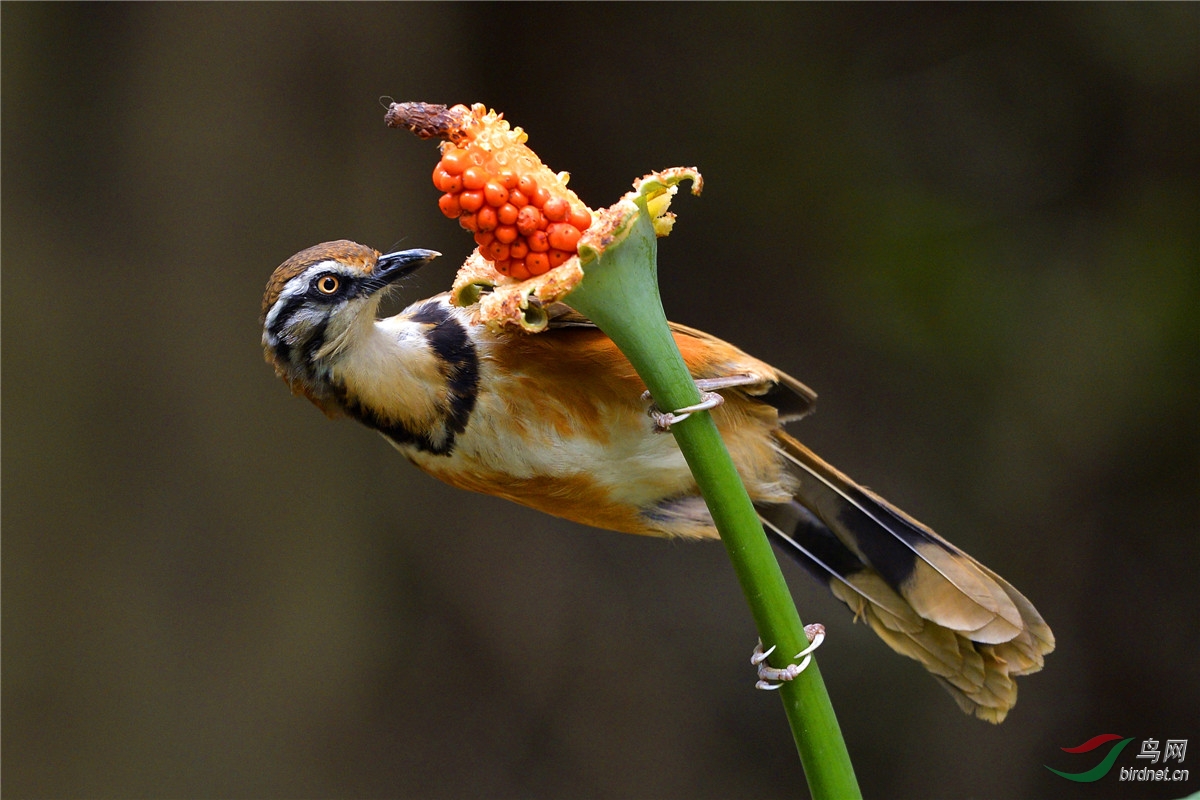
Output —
<point x="620" y="294"/>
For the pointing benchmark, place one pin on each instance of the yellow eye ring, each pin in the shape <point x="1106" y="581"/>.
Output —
<point x="328" y="284"/>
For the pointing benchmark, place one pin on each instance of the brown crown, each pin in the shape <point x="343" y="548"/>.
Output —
<point x="352" y="254"/>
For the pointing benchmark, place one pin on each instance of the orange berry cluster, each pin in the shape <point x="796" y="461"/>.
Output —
<point x="521" y="226"/>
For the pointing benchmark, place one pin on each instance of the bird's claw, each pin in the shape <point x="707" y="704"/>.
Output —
<point x="771" y="678"/>
<point x="709" y="399"/>
<point x="663" y="420"/>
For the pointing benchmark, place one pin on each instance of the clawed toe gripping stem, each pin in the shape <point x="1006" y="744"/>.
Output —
<point x="709" y="399"/>
<point x="771" y="678"/>
<point x="663" y="420"/>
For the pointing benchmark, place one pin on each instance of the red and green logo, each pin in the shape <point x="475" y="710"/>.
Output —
<point x="1100" y="770"/>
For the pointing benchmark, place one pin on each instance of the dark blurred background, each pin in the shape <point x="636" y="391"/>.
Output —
<point x="972" y="229"/>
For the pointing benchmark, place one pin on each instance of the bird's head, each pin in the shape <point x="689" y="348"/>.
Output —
<point x="319" y="300"/>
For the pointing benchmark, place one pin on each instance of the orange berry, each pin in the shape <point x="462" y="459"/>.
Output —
<point x="495" y="194"/>
<point x="474" y="178"/>
<point x="580" y="217"/>
<point x="537" y="242"/>
<point x="563" y="236"/>
<point x="455" y="160"/>
<point x="523" y="217"/>
<point x="495" y="251"/>
<point x="528" y="219"/>
<point x="537" y="263"/>
<point x="556" y="209"/>
<point x="445" y="182"/>
<point x="448" y="203"/>
<point x="507" y="214"/>
<point x="485" y="219"/>
<point x="471" y="201"/>
<point x="508" y="179"/>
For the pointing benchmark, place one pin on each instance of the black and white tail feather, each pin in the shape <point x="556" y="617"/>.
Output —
<point x="922" y="595"/>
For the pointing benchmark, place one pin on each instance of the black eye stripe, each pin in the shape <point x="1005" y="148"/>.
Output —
<point x="343" y="286"/>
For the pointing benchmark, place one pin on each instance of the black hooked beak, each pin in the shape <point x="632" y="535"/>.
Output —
<point x="394" y="266"/>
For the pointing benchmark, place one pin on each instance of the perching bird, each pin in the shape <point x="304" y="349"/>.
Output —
<point x="556" y="421"/>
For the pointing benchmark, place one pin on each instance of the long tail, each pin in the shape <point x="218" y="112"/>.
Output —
<point x="923" y="596"/>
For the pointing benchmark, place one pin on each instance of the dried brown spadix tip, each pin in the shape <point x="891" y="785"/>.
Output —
<point x="429" y="120"/>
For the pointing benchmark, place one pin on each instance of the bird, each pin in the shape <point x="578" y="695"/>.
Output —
<point x="557" y="422"/>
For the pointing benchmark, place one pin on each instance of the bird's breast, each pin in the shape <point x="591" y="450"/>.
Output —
<point x="568" y="454"/>
<point x="558" y="423"/>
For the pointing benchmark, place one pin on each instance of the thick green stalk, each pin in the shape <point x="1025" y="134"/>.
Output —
<point x="620" y="294"/>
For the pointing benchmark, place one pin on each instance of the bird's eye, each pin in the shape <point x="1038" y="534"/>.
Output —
<point x="328" y="284"/>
